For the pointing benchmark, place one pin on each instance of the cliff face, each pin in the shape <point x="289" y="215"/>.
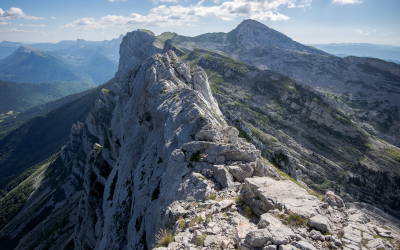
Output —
<point x="365" y="88"/>
<point x="158" y="151"/>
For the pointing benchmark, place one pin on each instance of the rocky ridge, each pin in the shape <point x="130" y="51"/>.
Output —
<point x="165" y="148"/>
<point x="365" y="88"/>
<point x="156" y="154"/>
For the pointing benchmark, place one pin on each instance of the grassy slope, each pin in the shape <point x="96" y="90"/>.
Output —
<point x="11" y="122"/>
<point x="22" y="96"/>
<point x="41" y="137"/>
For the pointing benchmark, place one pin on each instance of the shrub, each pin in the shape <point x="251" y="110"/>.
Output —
<point x="195" y="156"/>
<point x="164" y="237"/>
<point x="181" y="223"/>
<point x="238" y="200"/>
<point x="211" y="197"/>
<point x="199" y="241"/>
<point x="248" y="211"/>
<point x="295" y="220"/>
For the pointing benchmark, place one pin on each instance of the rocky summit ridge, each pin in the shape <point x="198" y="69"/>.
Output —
<point x="156" y="165"/>
<point x="167" y="160"/>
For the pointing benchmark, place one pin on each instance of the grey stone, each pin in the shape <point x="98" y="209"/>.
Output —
<point x="303" y="245"/>
<point x="320" y="223"/>
<point x="258" y="237"/>
<point x="267" y="220"/>
<point x="333" y="200"/>
<point x="222" y="176"/>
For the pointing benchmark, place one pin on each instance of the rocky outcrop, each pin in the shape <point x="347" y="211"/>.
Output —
<point x="160" y="156"/>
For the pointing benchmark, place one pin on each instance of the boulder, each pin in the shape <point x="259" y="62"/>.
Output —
<point x="333" y="200"/>
<point x="258" y="237"/>
<point x="222" y="176"/>
<point x="267" y="220"/>
<point x="241" y="171"/>
<point x="320" y="223"/>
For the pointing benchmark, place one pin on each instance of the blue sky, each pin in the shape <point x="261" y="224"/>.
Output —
<point x="306" y="21"/>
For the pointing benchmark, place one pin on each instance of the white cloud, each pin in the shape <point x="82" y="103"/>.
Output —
<point x="117" y="0"/>
<point x="13" y="30"/>
<point x="31" y="25"/>
<point x="269" y="16"/>
<point x="16" y="13"/>
<point x="366" y="34"/>
<point x="182" y="15"/>
<point x="387" y="34"/>
<point x="346" y="1"/>
<point x="374" y="30"/>
<point x="302" y="4"/>
<point x="359" y="32"/>
<point x="172" y="1"/>
<point x="5" y="23"/>
<point x="53" y="17"/>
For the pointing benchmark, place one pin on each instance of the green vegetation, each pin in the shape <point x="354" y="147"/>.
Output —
<point x="195" y="156"/>
<point x="248" y="211"/>
<point x="99" y="148"/>
<point x="13" y="202"/>
<point x="18" y="97"/>
<point x="238" y="200"/>
<point x="41" y="137"/>
<point x="211" y="197"/>
<point x="164" y="237"/>
<point x="181" y="222"/>
<point x="199" y="241"/>
<point x="243" y="134"/>
<point x="294" y="220"/>
<point x="34" y="66"/>
<point x="195" y="221"/>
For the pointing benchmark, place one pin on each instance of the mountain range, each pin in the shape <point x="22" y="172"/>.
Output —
<point x="224" y="140"/>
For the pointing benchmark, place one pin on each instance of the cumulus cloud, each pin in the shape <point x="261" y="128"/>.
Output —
<point x="13" y="30"/>
<point x="5" y="23"/>
<point x="53" y="17"/>
<point x="16" y="13"/>
<point x="359" y="32"/>
<point x="366" y="34"/>
<point x="346" y="1"/>
<point x="117" y="0"/>
<point x="302" y="4"/>
<point x="374" y="30"/>
<point x="269" y="16"/>
<point x="31" y="25"/>
<point x="179" y="15"/>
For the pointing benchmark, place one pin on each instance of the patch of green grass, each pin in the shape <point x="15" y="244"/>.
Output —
<point x="199" y="241"/>
<point x="243" y="134"/>
<point x="164" y="237"/>
<point x="195" y="156"/>
<point x="238" y="200"/>
<point x="181" y="222"/>
<point x="211" y="197"/>
<point x="295" y="220"/>
<point x="195" y="221"/>
<point x="248" y="211"/>
<point x="99" y="148"/>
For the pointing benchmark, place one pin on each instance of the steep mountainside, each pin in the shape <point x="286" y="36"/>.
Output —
<point x="302" y="130"/>
<point x="155" y="164"/>
<point x="158" y="154"/>
<point x="40" y="137"/>
<point x="31" y="65"/>
<point x="365" y="88"/>
<point x="18" y="97"/>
